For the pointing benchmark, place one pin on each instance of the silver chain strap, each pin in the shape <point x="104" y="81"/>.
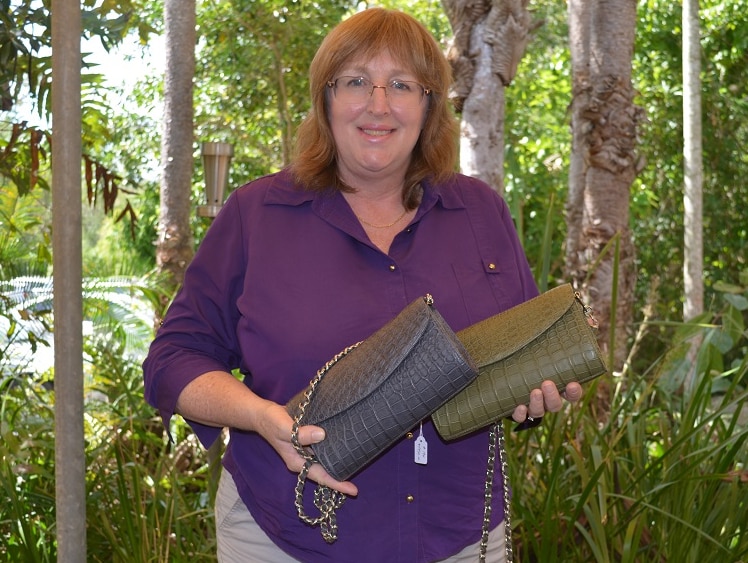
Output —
<point x="326" y="500"/>
<point x="496" y="442"/>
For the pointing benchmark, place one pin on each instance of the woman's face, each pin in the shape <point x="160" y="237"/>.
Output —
<point x="375" y="137"/>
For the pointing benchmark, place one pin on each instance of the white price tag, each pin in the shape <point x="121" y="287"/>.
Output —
<point x="421" y="451"/>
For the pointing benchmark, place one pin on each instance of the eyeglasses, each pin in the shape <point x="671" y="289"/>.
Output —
<point x="357" y="89"/>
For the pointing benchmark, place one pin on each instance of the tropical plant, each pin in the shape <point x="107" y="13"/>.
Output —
<point x="116" y="305"/>
<point x="26" y="472"/>
<point x="663" y="477"/>
<point x="148" y="497"/>
<point x="141" y="488"/>
<point x="147" y="500"/>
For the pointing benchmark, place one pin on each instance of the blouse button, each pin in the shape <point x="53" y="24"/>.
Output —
<point x="491" y="266"/>
<point x="409" y="498"/>
<point x="392" y="267"/>
<point x="409" y="435"/>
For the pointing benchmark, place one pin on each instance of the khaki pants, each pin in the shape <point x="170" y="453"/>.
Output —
<point x="239" y="535"/>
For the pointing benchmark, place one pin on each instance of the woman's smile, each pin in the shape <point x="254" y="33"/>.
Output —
<point x="377" y="132"/>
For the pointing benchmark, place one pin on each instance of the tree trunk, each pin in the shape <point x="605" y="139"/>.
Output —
<point x="599" y="249"/>
<point x="174" y="248"/>
<point x="489" y="40"/>
<point x="693" y="265"/>
<point x="70" y="454"/>
<point x="693" y="175"/>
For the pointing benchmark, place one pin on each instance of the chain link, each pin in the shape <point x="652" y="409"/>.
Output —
<point x="496" y="438"/>
<point x="326" y="499"/>
<point x="507" y="496"/>
<point x="487" y="494"/>
<point x="587" y="311"/>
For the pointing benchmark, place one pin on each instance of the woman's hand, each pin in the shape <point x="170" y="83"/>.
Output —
<point x="546" y="399"/>
<point x="274" y="424"/>
<point x="218" y="399"/>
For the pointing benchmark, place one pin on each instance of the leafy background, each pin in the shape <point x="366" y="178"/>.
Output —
<point x="652" y="471"/>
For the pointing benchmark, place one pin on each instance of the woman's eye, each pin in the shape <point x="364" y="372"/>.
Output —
<point x="399" y="85"/>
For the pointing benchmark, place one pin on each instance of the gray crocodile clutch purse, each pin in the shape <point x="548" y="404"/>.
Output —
<point x="379" y="389"/>
<point x="371" y="394"/>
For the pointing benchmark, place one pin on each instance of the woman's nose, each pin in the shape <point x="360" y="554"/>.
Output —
<point x="378" y="100"/>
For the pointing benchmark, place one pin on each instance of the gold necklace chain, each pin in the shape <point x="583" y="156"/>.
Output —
<point x="383" y="226"/>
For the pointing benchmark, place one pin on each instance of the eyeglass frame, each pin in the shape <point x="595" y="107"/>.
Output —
<point x="333" y="85"/>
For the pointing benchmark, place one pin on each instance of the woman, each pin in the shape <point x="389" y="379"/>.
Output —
<point x="302" y="263"/>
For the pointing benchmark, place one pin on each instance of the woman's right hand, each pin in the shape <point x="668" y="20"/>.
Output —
<point x="274" y="424"/>
<point x="218" y="399"/>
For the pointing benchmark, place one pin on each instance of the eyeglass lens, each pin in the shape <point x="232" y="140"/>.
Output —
<point x="357" y="89"/>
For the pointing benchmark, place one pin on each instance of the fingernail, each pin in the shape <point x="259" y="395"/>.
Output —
<point x="318" y="435"/>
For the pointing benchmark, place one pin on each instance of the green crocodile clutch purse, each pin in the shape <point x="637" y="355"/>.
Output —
<point x="546" y="338"/>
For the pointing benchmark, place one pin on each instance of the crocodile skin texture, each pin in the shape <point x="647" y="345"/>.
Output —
<point x="375" y="394"/>
<point x="546" y="338"/>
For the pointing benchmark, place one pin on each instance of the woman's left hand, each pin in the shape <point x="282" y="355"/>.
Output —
<point x="546" y="399"/>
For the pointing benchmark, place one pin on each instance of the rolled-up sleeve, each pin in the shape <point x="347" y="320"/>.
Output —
<point x="198" y="334"/>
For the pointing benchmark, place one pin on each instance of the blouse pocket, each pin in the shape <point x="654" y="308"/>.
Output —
<point x="489" y="288"/>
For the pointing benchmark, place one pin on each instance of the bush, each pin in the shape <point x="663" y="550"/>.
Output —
<point x="147" y="499"/>
<point x="655" y="469"/>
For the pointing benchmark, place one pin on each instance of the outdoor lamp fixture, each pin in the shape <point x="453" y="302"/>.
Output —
<point x="216" y="160"/>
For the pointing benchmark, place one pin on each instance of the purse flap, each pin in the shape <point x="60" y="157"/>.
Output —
<point x="357" y="374"/>
<point x="500" y="336"/>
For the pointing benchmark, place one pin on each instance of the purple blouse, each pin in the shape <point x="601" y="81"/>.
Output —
<point x="284" y="280"/>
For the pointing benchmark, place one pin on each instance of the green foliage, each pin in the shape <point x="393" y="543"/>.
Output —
<point x="146" y="499"/>
<point x="25" y="234"/>
<point x="120" y="308"/>
<point x="657" y="206"/>
<point x="26" y="37"/>
<point x="25" y="79"/>
<point x="26" y="473"/>
<point x="429" y="12"/>
<point x="133" y="150"/>
<point x="20" y="42"/>
<point x="661" y="476"/>
<point x="252" y="88"/>
<point x="537" y="140"/>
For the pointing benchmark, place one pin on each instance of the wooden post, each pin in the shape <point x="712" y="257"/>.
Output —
<point x="70" y="468"/>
